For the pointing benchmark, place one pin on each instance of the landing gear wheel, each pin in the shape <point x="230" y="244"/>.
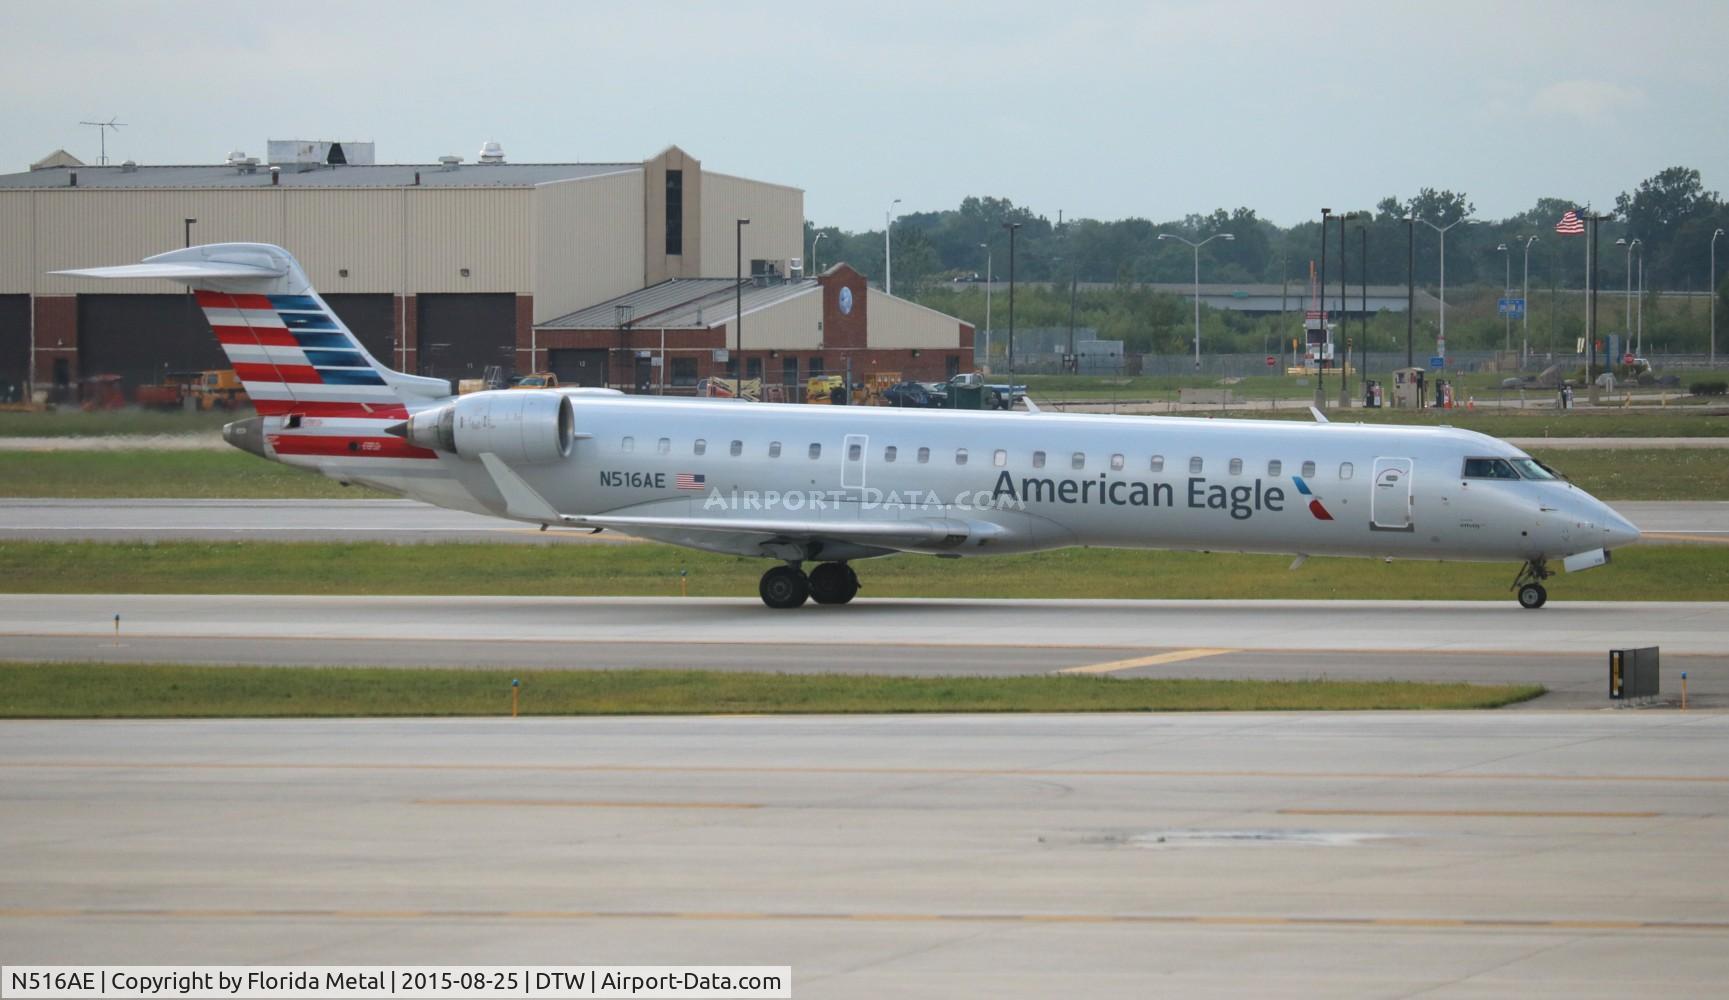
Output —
<point x="833" y="583"/>
<point x="1532" y="596"/>
<point x="784" y="587"/>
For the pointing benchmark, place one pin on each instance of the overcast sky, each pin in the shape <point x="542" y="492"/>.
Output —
<point x="1156" y="109"/>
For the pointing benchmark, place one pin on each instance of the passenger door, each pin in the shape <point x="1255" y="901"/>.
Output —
<point x="1390" y="501"/>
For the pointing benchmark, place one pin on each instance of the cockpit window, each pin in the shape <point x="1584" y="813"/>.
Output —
<point x="1530" y="468"/>
<point x="1489" y="468"/>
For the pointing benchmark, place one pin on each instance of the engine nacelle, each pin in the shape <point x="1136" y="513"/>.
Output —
<point x="520" y="426"/>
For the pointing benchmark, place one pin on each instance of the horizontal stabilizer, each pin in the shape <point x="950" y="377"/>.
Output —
<point x="179" y="271"/>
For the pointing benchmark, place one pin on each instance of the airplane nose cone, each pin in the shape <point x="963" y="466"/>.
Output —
<point x="1617" y="530"/>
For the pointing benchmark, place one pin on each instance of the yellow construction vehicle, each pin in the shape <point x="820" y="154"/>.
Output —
<point x="825" y="389"/>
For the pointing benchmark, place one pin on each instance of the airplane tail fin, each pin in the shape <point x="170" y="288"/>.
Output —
<point x="296" y="358"/>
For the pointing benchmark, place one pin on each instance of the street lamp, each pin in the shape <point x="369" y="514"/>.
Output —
<point x="986" y="247"/>
<point x="1011" y="227"/>
<point x="819" y="238"/>
<point x="1628" y="287"/>
<point x="1441" y="339"/>
<point x="1196" y="247"/>
<point x="1525" y="309"/>
<point x="738" y="306"/>
<point x="1344" y="322"/>
<point x="888" y="261"/>
<point x="1506" y="280"/>
<point x="1410" y="289"/>
<point x="1713" y="291"/>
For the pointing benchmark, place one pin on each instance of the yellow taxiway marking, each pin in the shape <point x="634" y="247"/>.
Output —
<point x="1195" y="919"/>
<point x="1475" y="813"/>
<point x="1174" y="656"/>
<point x="959" y="772"/>
<point x="584" y="804"/>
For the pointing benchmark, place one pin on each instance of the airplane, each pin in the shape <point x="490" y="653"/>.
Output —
<point x="834" y="485"/>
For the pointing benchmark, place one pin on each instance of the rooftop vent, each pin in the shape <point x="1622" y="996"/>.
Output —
<point x="234" y="158"/>
<point x="491" y="152"/>
<point x="129" y="167"/>
<point x="242" y="163"/>
<point x="449" y="162"/>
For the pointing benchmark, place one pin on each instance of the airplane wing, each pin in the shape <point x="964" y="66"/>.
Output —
<point x="919" y="534"/>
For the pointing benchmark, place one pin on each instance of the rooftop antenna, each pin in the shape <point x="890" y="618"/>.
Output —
<point x="102" y="129"/>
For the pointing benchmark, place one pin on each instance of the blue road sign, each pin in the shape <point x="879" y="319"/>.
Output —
<point x="1511" y="308"/>
<point x="1437" y="363"/>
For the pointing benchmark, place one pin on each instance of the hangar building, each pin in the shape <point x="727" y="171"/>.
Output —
<point x="447" y="268"/>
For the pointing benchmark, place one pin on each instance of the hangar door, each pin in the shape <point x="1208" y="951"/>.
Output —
<point x="14" y="346"/>
<point x="372" y="318"/>
<point x="460" y="335"/>
<point x="140" y="337"/>
<point x="578" y="367"/>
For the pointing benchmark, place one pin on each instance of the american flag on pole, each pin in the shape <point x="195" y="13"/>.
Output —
<point x="690" y="481"/>
<point x="1570" y="224"/>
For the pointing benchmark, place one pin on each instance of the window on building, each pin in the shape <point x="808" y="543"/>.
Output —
<point x="1275" y="467"/>
<point x="924" y="455"/>
<point x="674" y="213"/>
<point x="960" y="456"/>
<point x="1309" y="470"/>
<point x="889" y="453"/>
<point x="1345" y="470"/>
<point x="774" y="449"/>
<point x="663" y="446"/>
<point x="684" y="372"/>
<point x="1078" y="460"/>
<point x="753" y="368"/>
<point x="1236" y="466"/>
<point x="1158" y="463"/>
<point x="736" y="449"/>
<point x="789" y="372"/>
<point x="628" y="444"/>
<point x="1038" y="459"/>
<point x="815" y="450"/>
<point x="1000" y="458"/>
<point x="815" y="367"/>
<point x="1116" y="463"/>
<point x="1195" y="464"/>
<point x="699" y="447"/>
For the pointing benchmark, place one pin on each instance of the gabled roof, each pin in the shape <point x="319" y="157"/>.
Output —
<point x="684" y="304"/>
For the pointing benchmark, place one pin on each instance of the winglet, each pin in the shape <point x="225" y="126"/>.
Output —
<point x="1320" y="418"/>
<point x="1032" y="407"/>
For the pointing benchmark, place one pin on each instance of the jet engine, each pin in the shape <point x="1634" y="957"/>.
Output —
<point x="523" y="426"/>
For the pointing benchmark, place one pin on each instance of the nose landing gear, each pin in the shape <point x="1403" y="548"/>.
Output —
<point x="1529" y="584"/>
<point x="788" y="587"/>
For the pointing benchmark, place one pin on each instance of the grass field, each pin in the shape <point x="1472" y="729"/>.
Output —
<point x="95" y="690"/>
<point x="1632" y="474"/>
<point x="1298" y="390"/>
<point x="1669" y="573"/>
<point x="76" y="423"/>
<point x="1692" y="422"/>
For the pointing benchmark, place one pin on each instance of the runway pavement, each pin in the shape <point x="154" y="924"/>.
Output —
<point x="1564" y="646"/>
<point x="412" y="521"/>
<point x="1452" y="855"/>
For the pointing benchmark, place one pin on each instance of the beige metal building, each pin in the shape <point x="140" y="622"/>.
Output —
<point x="442" y="268"/>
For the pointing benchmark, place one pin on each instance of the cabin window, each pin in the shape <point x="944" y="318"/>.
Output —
<point x="1000" y="458"/>
<point x="854" y="452"/>
<point x="737" y="448"/>
<point x="1116" y="463"/>
<point x="1236" y="466"/>
<point x="1345" y="470"/>
<point x="699" y="446"/>
<point x="1274" y="467"/>
<point x="1489" y="468"/>
<point x="1038" y="459"/>
<point x="1078" y="460"/>
<point x="663" y="446"/>
<point x="1158" y="463"/>
<point x="960" y="456"/>
<point x="889" y="453"/>
<point x="774" y="449"/>
<point x="924" y="455"/>
<point x="815" y="450"/>
<point x="628" y="444"/>
<point x="1309" y="470"/>
<point x="1195" y="464"/>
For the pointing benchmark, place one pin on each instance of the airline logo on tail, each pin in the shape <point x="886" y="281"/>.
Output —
<point x="283" y="346"/>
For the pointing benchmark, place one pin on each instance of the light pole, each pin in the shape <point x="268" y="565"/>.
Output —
<point x="1525" y="309"/>
<point x="1441" y="339"/>
<point x="1640" y="313"/>
<point x="986" y="247"/>
<point x="1506" y="280"/>
<point x="1321" y="361"/>
<point x="1713" y="291"/>
<point x="738" y="307"/>
<point x="888" y="261"/>
<point x="1410" y="289"/>
<point x="1011" y="227"/>
<point x="819" y="238"/>
<point x="1344" y="321"/>
<point x="1627" y="324"/>
<point x="1196" y="247"/>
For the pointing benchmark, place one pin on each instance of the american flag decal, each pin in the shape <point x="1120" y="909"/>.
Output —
<point x="690" y="481"/>
<point x="1570" y="224"/>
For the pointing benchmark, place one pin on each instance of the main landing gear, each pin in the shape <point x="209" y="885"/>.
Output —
<point x="1529" y="584"/>
<point x="788" y="586"/>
